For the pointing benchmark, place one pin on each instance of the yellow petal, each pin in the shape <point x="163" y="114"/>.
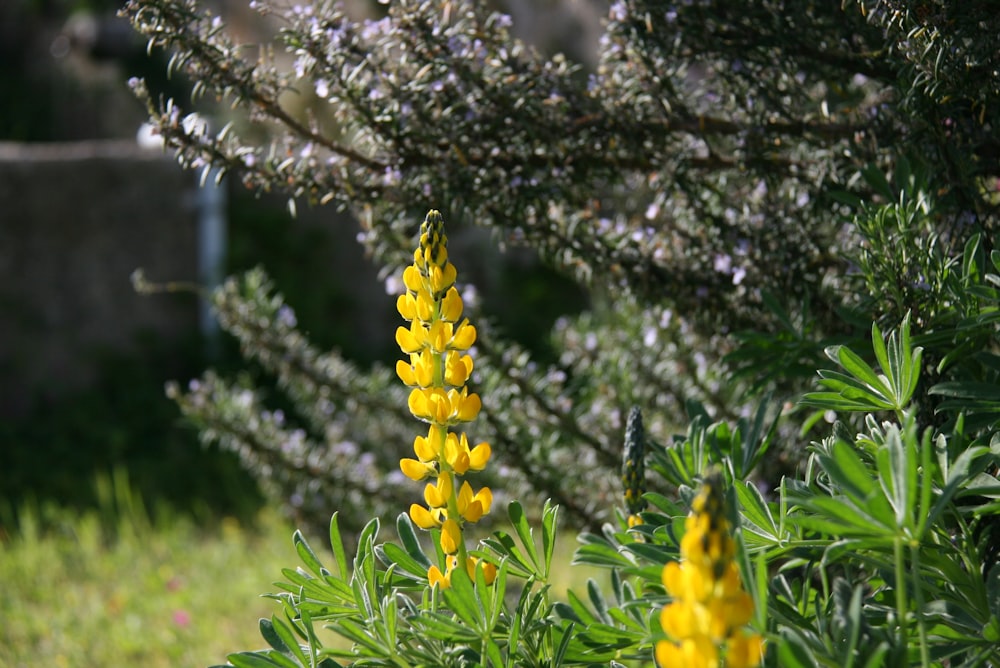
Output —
<point x="423" y="517"/>
<point x="407" y="306"/>
<point x="473" y="512"/>
<point x="460" y="463"/>
<point x="485" y="498"/>
<point x="467" y="407"/>
<point x="745" y="651"/>
<point x="489" y="572"/>
<point x="464" y="337"/>
<point x="423" y="370"/>
<point x="464" y="497"/>
<point x="479" y="456"/>
<point x="418" y="404"/>
<point x="406" y="341"/>
<point x="405" y="373"/>
<point x="444" y="486"/>
<point x="433" y="497"/>
<point x="412" y="279"/>
<point x="451" y="305"/>
<point x="415" y="470"/>
<point x="436" y="577"/>
<point x="423" y="449"/>
<point x="425" y="306"/>
<point x="451" y="536"/>
<point x="439" y="336"/>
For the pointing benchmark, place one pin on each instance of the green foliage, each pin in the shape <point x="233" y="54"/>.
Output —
<point x="735" y="186"/>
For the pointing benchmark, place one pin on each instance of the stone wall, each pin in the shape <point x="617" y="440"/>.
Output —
<point x="75" y="221"/>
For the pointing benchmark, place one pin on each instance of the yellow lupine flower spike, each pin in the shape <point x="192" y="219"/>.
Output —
<point x="706" y="621"/>
<point x="437" y="367"/>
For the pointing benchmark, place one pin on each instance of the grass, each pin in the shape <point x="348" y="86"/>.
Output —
<point x="112" y="588"/>
<point x="81" y="593"/>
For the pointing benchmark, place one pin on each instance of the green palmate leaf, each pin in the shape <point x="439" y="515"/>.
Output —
<point x="578" y="610"/>
<point x="859" y="369"/>
<point x="657" y="554"/>
<point x="861" y="388"/>
<point x="840" y="517"/>
<point x="756" y="516"/>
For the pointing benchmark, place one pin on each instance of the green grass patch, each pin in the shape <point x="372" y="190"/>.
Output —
<point x="81" y="592"/>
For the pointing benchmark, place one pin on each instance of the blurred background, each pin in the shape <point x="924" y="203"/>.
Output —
<point x="86" y="199"/>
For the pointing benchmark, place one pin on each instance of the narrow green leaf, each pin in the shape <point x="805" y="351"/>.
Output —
<point x="597" y="600"/>
<point x="583" y="613"/>
<point x="462" y="600"/>
<point x="306" y="554"/>
<point x="858" y="368"/>
<point x="390" y="554"/>
<point x="252" y="660"/>
<point x="560" y="655"/>
<point x="850" y="473"/>
<point x="793" y="651"/>
<point x="408" y="537"/>
<point x="550" y="515"/>
<point x="281" y="637"/>
<point x="520" y="523"/>
<point x="493" y="653"/>
<point x="337" y="545"/>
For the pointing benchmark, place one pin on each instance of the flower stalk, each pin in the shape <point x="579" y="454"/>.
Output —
<point x="437" y="369"/>
<point x="706" y="621"/>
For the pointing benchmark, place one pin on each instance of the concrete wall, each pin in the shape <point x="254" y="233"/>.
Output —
<point x="75" y="221"/>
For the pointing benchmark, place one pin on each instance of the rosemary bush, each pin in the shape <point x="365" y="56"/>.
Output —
<point x="750" y="193"/>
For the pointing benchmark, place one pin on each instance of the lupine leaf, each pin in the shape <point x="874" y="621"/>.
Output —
<point x="520" y="523"/>
<point x="279" y="636"/>
<point x="408" y="537"/>
<point x="390" y="553"/>
<point x="252" y="660"/>
<point x="337" y="545"/>
<point x="306" y="554"/>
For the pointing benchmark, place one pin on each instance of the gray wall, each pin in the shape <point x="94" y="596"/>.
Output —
<point x="75" y="221"/>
